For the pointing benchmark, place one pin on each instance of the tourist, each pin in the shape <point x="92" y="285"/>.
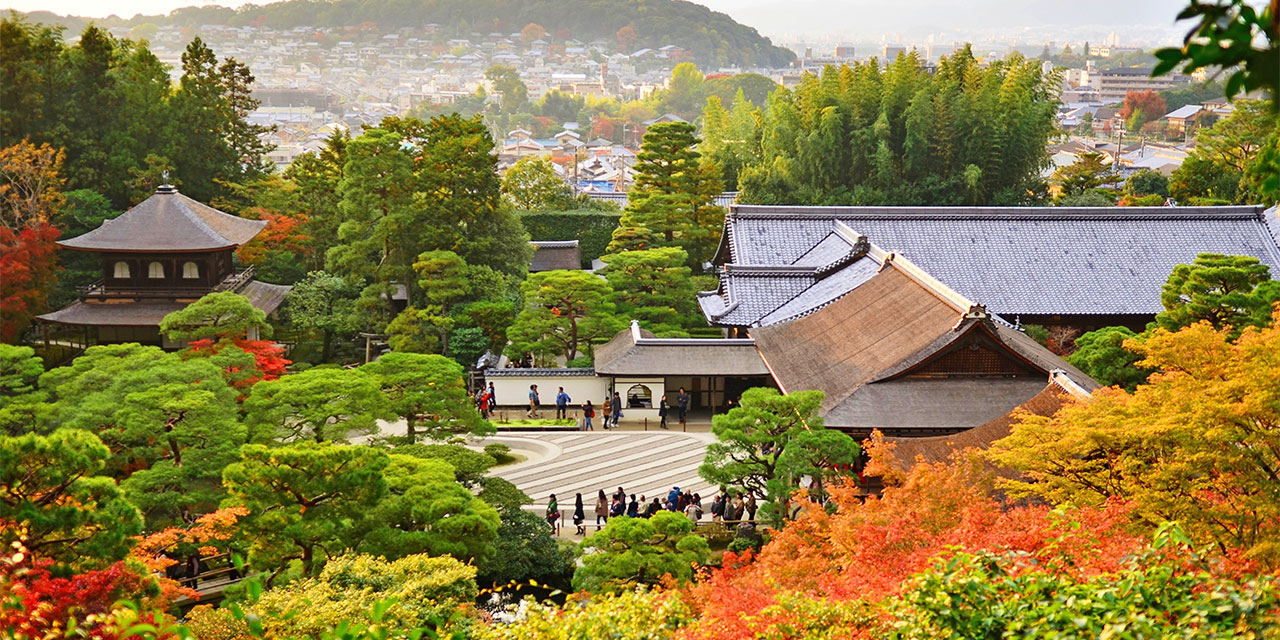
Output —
<point x="691" y="512"/>
<point x="620" y="494"/>
<point x="493" y="399"/>
<point x="662" y="411"/>
<point x="588" y="412"/>
<point x="685" y="499"/>
<point x="579" y="516"/>
<point x="607" y="408"/>
<point x="653" y="508"/>
<point x="619" y="507"/>
<point x="602" y="510"/>
<point x="673" y="498"/>
<point x="633" y="507"/>
<point x="717" y="509"/>
<point x="553" y="512"/>
<point x="562" y="405"/>
<point x="736" y="507"/>
<point x="533" y="401"/>
<point x="682" y="400"/>
<point x="617" y="408"/>
<point x="697" y="502"/>
<point x="751" y="508"/>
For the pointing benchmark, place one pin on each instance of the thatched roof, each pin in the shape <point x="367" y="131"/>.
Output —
<point x="904" y="353"/>
<point x="168" y="221"/>
<point x="635" y="352"/>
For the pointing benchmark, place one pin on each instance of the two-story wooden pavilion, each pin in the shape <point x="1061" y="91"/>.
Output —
<point x="158" y="257"/>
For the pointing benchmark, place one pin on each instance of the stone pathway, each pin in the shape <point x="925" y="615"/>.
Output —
<point x="645" y="463"/>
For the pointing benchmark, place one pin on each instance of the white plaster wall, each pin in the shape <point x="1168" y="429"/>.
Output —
<point x="514" y="391"/>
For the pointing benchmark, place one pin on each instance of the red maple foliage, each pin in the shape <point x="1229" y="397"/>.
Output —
<point x="1148" y="102"/>
<point x="868" y="548"/>
<point x="269" y="360"/>
<point x="28" y="265"/>
<point x="38" y="604"/>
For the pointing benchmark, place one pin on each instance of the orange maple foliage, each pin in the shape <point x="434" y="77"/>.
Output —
<point x="865" y="551"/>
<point x="208" y="536"/>
<point x="282" y="232"/>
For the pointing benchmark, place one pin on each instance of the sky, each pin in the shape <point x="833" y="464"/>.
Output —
<point x="863" y="18"/>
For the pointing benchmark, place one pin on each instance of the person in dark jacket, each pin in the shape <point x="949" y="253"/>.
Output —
<point x="662" y="411"/>
<point x="579" y="515"/>
<point x="588" y="412"/>
<point x="633" y="507"/>
<point x="682" y="401"/>
<point x="616" y="403"/>
<point x="653" y="508"/>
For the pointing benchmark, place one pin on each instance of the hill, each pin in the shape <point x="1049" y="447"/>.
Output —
<point x="714" y="38"/>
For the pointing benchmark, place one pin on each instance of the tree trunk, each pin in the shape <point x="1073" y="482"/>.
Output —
<point x="413" y="435"/>
<point x="327" y="349"/>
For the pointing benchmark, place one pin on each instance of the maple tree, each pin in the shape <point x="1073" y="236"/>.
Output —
<point x="1195" y="444"/>
<point x="28" y="265"/>
<point x="1141" y="107"/>
<point x="30" y="184"/>
<point x="283" y="232"/>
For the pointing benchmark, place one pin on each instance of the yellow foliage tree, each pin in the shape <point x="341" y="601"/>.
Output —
<point x="1199" y="443"/>
<point x="30" y="184"/>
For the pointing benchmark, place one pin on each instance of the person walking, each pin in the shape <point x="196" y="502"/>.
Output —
<point x="607" y="408"/>
<point x="751" y="508"/>
<point x="562" y="404"/>
<point x="579" y="516"/>
<point x="662" y="411"/>
<point x="588" y="412"/>
<point x="620" y="494"/>
<point x="602" y="509"/>
<point x="553" y="512"/>
<point x="617" y="408"/>
<point x="533" y="401"/>
<point x="682" y="401"/>
<point x="618" y="508"/>
<point x="493" y="399"/>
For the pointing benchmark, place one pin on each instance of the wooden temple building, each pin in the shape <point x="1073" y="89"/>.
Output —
<point x="157" y="257"/>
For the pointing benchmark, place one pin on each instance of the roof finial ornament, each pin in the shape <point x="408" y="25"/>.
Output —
<point x="164" y="186"/>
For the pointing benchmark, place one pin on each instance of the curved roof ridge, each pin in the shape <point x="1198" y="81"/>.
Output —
<point x="168" y="221"/>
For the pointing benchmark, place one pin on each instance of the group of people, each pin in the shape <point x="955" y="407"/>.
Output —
<point x="611" y="409"/>
<point x="725" y="507"/>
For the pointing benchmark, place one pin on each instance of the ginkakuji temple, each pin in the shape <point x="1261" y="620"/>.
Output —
<point x="158" y="257"/>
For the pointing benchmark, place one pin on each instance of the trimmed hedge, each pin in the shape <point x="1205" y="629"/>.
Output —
<point x="592" y="229"/>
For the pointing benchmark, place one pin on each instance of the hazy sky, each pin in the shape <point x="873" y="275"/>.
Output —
<point x="814" y="16"/>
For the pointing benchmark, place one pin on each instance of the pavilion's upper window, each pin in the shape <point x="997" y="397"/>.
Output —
<point x="121" y="270"/>
<point x="155" y="270"/>
<point x="190" y="271"/>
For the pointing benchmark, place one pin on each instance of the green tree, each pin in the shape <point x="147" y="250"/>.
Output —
<point x="55" y="504"/>
<point x="225" y="314"/>
<point x="322" y="403"/>
<point x="674" y="193"/>
<point x="1231" y="36"/>
<point x="1086" y="173"/>
<point x="770" y="441"/>
<point x="170" y="422"/>
<point x="506" y="81"/>
<point x="532" y="184"/>
<point x="1147" y="182"/>
<point x="428" y="391"/>
<point x="654" y="287"/>
<point x="426" y="511"/>
<point x="316" y="178"/>
<point x="1102" y="355"/>
<point x="525" y="551"/>
<point x="685" y="93"/>
<point x="566" y="311"/>
<point x="325" y="303"/>
<point x="23" y="408"/>
<point x="1229" y="292"/>
<point x="305" y="501"/>
<point x="640" y="551"/>
<point x="1225" y="154"/>
<point x="469" y="465"/>
<point x="444" y="280"/>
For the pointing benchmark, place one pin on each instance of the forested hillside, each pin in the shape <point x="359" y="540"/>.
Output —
<point x="713" y="37"/>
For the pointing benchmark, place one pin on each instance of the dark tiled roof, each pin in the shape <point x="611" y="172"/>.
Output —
<point x="1034" y="260"/>
<point x="168" y="221"/>
<point x="538" y="373"/>
<point x="930" y="405"/>
<point x="149" y="313"/>
<point x="637" y="352"/>
<point x="549" y="255"/>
